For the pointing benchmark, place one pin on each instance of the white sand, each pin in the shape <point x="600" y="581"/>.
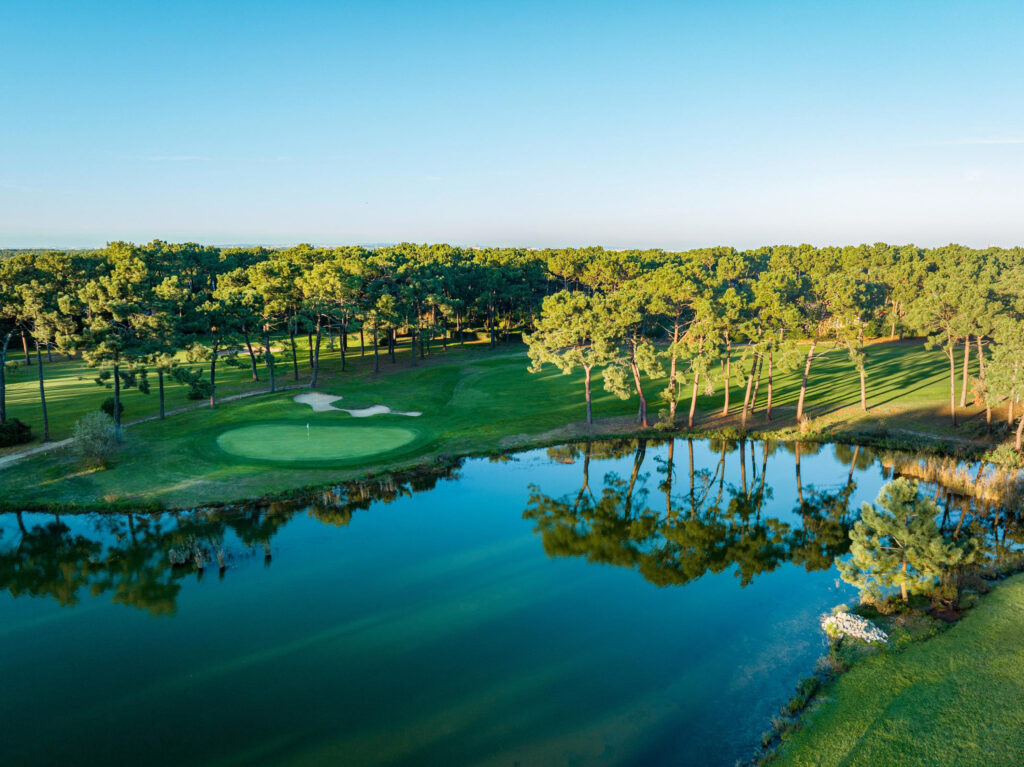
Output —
<point x="321" y="403"/>
<point x="366" y="412"/>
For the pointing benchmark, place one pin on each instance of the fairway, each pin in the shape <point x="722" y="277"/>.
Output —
<point x="954" y="699"/>
<point x="297" y="442"/>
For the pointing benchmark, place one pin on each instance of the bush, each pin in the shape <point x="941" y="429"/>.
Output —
<point x="198" y="386"/>
<point x="108" y="407"/>
<point x="14" y="432"/>
<point x="95" y="439"/>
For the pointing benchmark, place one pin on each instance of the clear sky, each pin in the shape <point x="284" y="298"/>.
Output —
<point x="631" y="124"/>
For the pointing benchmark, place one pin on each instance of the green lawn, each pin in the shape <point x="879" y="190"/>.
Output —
<point x="953" y="699"/>
<point x="473" y="400"/>
<point x="317" y="441"/>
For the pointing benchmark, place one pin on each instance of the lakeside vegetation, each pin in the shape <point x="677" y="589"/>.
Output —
<point x="952" y="698"/>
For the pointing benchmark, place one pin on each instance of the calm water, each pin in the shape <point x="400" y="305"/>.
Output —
<point x="581" y="605"/>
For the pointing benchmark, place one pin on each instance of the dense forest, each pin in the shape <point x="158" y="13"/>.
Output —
<point x="706" y="318"/>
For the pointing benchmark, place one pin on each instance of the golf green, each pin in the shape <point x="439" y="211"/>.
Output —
<point x="297" y="442"/>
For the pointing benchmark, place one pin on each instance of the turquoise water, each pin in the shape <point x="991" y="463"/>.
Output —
<point x="503" y="612"/>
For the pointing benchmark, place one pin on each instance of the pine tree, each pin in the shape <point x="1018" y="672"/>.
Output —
<point x="900" y="545"/>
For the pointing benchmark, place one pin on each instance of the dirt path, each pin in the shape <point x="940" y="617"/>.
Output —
<point x="46" y="447"/>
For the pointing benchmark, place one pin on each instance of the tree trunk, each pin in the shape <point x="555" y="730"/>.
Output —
<point x="673" y="387"/>
<point x="586" y="388"/>
<point x="639" y="388"/>
<point x="160" y="385"/>
<point x="981" y="376"/>
<point x="638" y="460"/>
<point x="252" y="357"/>
<point x="967" y="360"/>
<point x="412" y="345"/>
<point x="768" y="405"/>
<point x="728" y="374"/>
<point x="270" y="362"/>
<point x="376" y="350"/>
<point x="3" y="379"/>
<point x="668" y="478"/>
<point x="24" y="346"/>
<point x="42" y="393"/>
<point x="362" y="341"/>
<point x="309" y="342"/>
<point x="863" y="388"/>
<point x="1019" y="441"/>
<point x="903" y="583"/>
<point x="743" y="466"/>
<point x="803" y="384"/>
<point x="213" y="378"/>
<point x="117" y="402"/>
<point x="746" y="395"/>
<point x="951" y="353"/>
<point x="316" y="353"/>
<point x="693" y="399"/>
<point x="295" y="354"/>
<point x="799" y="481"/>
<point x="757" y="384"/>
<point x="343" y="344"/>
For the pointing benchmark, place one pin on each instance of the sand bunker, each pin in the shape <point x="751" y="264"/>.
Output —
<point x="378" y="410"/>
<point x="321" y="402"/>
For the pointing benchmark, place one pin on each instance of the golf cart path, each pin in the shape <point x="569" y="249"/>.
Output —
<point x="46" y="447"/>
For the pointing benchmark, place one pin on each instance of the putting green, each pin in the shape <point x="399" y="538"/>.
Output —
<point x="294" y="442"/>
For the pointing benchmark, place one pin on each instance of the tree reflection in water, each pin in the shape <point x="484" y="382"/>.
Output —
<point x="697" y="521"/>
<point x="714" y="525"/>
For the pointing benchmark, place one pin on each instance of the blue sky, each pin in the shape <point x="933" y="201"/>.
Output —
<point x="529" y="123"/>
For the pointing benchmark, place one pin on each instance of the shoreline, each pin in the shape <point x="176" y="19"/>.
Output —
<point x="932" y="445"/>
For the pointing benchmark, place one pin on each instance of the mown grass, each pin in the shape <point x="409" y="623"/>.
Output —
<point x="951" y="699"/>
<point x="473" y="400"/>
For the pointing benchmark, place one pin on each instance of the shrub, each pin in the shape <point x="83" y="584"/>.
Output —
<point x="198" y="386"/>
<point x="808" y="687"/>
<point x="95" y="439"/>
<point x="14" y="432"/>
<point x="108" y="407"/>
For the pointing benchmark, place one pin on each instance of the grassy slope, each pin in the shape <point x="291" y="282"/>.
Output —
<point x="472" y="400"/>
<point x="943" y="701"/>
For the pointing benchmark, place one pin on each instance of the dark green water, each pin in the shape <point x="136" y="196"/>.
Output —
<point x="571" y="606"/>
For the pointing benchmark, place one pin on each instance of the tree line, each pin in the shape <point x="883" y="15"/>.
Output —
<point x="695" y="315"/>
<point x="706" y="319"/>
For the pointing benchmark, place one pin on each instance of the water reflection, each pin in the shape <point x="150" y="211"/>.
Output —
<point x="703" y="524"/>
<point x="667" y="517"/>
<point x="711" y="525"/>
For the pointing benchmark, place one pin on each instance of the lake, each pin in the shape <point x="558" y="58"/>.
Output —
<point x="617" y="602"/>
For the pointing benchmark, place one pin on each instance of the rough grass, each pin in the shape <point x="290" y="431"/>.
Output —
<point x="951" y="699"/>
<point x="473" y="400"/>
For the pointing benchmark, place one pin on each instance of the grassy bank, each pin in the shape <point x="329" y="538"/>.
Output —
<point x="473" y="400"/>
<point x="951" y="699"/>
